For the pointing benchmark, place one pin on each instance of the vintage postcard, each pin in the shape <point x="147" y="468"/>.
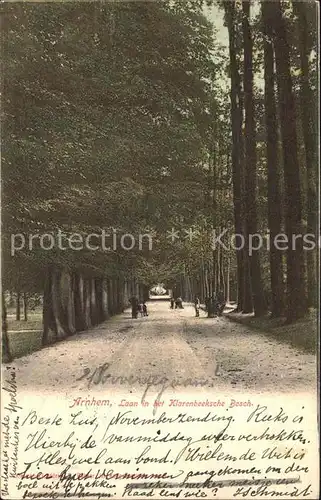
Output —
<point x="160" y="249"/>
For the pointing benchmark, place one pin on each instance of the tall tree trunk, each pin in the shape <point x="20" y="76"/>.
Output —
<point x="59" y="295"/>
<point x="247" y="306"/>
<point x="296" y="294"/>
<point x="227" y="294"/>
<point x="115" y="295"/>
<point x="18" y="306"/>
<point x="206" y="280"/>
<point x="6" y="354"/>
<point x="79" y="305"/>
<point x="109" y="296"/>
<point x="121" y="294"/>
<point x="98" y="284"/>
<point x="105" y="299"/>
<point x="49" y="323"/>
<point x="309" y="118"/>
<point x="214" y="264"/>
<point x="236" y="118"/>
<point x="87" y="302"/>
<point x="137" y="289"/>
<point x="126" y="294"/>
<point x="202" y="285"/>
<point x="70" y="303"/>
<point x="93" y="302"/>
<point x="273" y="171"/>
<point x="259" y="303"/>
<point x="247" y="302"/>
<point x="222" y="277"/>
<point x="25" y="306"/>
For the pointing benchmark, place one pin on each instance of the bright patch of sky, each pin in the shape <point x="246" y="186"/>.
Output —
<point x="215" y="15"/>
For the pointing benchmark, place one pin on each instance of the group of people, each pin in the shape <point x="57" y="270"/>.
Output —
<point x="214" y="305"/>
<point x="138" y="307"/>
<point x="177" y="303"/>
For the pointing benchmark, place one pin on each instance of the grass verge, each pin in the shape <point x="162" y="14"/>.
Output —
<point x="302" y="334"/>
<point x="25" y="336"/>
<point x="24" y="342"/>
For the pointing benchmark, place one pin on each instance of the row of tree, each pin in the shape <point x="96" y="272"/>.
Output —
<point x="273" y="156"/>
<point x="119" y="115"/>
<point x="290" y="125"/>
<point x="106" y="116"/>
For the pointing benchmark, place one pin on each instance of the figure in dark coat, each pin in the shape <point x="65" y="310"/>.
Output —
<point x="179" y="303"/>
<point x="145" y="313"/>
<point x="134" y="304"/>
<point x="197" y="305"/>
<point x="220" y="303"/>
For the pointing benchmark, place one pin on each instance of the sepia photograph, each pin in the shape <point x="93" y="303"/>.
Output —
<point x="160" y="249"/>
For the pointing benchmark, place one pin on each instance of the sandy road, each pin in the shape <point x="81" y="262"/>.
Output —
<point x="173" y="344"/>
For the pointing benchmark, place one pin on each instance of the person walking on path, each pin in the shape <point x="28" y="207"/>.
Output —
<point x="134" y="304"/>
<point x="220" y="303"/>
<point x="179" y="303"/>
<point x="141" y="308"/>
<point x="197" y="305"/>
<point x="212" y="306"/>
<point x="145" y="313"/>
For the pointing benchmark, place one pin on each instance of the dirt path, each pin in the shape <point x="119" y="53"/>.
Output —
<point x="173" y="344"/>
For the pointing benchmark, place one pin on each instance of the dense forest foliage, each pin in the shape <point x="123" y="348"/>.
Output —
<point x="130" y="118"/>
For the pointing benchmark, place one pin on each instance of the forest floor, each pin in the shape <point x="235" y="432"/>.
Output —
<point x="25" y="337"/>
<point x="172" y="344"/>
<point x="302" y="334"/>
